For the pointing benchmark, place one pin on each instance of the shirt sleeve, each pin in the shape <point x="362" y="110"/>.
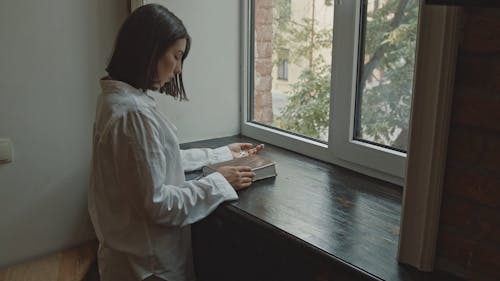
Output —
<point x="141" y="171"/>
<point x="194" y="159"/>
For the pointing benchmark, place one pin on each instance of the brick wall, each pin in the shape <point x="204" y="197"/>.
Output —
<point x="263" y="111"/>
<point x="469" y="236"/>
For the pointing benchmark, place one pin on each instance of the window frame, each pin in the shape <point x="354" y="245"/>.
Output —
<point x="428" y="133"/>
<point x="342" y="149"/>
<point x="345" y="73"/>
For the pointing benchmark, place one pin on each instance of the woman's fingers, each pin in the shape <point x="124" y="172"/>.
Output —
<point x="244" y="169"/>
<point x="238" y="176"/>
<point x="244" y="185"/>
<point x="245" y="177"/>
<point x="247" y="174"/>
<point x="240" y="149"/>
<point x="246" y="145"/>
<point x="256" y="149"/>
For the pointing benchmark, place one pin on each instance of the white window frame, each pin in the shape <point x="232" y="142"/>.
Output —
<point x="437" y="44"/>
<point x="344" y="68"/>
<point x="439" y="34"/>
<point x="342" y="149"/>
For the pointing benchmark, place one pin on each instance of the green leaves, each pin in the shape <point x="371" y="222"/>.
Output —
<point x="308" y="111"/>
<point x="386" y="80"/>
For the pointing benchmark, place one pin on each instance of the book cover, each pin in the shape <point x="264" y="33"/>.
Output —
<point x="261" y="166"/>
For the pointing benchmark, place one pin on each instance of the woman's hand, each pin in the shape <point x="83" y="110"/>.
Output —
<point x="239" y="177"/>
<point x="244" y="149"/>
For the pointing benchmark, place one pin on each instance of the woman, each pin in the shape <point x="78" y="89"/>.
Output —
<point x="140" y="204"/>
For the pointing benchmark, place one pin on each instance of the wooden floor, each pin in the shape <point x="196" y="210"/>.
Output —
<point x="69" y="265"/>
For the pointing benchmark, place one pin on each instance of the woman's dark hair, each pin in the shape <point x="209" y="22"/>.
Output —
<point x="143" y="39"/>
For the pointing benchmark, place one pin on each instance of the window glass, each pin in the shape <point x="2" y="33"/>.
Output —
<point x="386" y="67"/>
<point x="292" y="66"/>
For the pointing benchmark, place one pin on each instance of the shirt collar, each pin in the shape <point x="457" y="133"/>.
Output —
<point x="115" y="86"/>
<point x="119" y="87"/>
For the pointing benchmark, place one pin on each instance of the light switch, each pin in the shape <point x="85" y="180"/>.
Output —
<point x="5" y="151"/>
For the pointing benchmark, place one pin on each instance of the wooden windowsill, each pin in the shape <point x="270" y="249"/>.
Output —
<point x="347" y="220"/>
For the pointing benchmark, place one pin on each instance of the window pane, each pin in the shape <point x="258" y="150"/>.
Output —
<point x="292" y="65"/>
<point x="283" y="65"/>
<point x="385" y="81"/>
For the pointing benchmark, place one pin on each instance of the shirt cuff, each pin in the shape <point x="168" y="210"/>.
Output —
<point x="220" y="154"/>
<point x="225" y="188"/>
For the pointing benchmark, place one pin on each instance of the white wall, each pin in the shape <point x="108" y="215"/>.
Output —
<point x="211" y="71"/>
<point x="52" y="54"/>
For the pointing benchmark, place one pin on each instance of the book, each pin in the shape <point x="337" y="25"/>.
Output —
<point x="261" y="166"/>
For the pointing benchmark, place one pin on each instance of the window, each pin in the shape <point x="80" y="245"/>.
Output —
<point x="349" y="70"/>
<point x="284" y="10"/>
<point x="283" y="65"/>
<point x="385" y="72"/>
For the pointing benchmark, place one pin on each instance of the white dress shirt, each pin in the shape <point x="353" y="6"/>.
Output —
<point x="139" y="201"/>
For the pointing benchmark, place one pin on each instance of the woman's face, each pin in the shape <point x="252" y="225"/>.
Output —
<point x="170" y="64"/>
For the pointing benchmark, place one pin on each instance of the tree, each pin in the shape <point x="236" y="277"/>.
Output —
<point x="385" y="82"/>
<point x="307" y="112"/>
<point x="391" y="36"/>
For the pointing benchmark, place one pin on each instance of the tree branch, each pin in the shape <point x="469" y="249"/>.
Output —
<point x="378" y="54"/>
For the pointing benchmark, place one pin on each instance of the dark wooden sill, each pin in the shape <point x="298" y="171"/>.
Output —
<point x="478" y="3"/>
<point x="314" y="221"/>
